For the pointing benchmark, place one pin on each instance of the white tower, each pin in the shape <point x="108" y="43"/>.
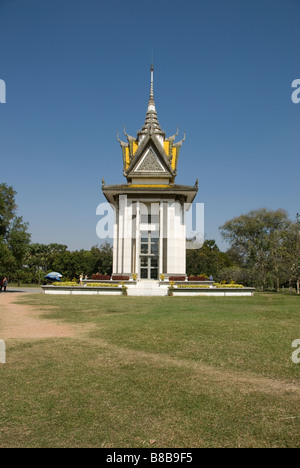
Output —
<point x="149" y="229"/>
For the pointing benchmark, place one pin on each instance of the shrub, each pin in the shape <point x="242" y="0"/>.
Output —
<point x="195" y="286"/>
<point x="65" y="283"/>
<point x="124" y="289"/>
<point x="101" y="285"/>
<point x="232" y="285"/>
<point x="198" y="278"/>
<point x="177" y="278"/>
<point x="100" y="277"/>
<point x="120" y="278"/>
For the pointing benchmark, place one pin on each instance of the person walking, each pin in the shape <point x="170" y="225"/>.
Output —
<point x="5" y="283"/>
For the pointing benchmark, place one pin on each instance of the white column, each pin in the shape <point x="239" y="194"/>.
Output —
<point x="170" y="230"/>
<point x="176" y="239"/>
<point x="161" y="237"/>
<point x="122" y="203"/>
<point x="180" y="240"/>
<point x="115" y="241"/>
<point x="184" y="237"/>
<point x="127" y="256"/>
<point x="138" y="240"/>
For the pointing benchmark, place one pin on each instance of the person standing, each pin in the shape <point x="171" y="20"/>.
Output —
<point x="5" y="283"/>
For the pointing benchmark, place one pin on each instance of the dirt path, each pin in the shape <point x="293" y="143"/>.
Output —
<point x="23" y="321"/>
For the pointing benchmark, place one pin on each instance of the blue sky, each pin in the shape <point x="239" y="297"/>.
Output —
<point x="76" y="71"/>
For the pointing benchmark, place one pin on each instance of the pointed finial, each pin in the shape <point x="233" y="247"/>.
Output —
<point x="179" y="143"/>
<point x="151" y="105"/>
<point x="122" y="143"/>
<point x="151" y="121"/>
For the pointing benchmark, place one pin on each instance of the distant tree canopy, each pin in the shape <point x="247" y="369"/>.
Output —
<point x="28" y="262"/>
<point x="41" y="259"/>
<point x="207" y="260"/>
<point x="265" y="245"/>
<point x="14" y="235"/>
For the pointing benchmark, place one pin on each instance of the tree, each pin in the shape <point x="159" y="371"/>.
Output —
<point x="207" y="260"/>
<point x="103" y="258"/>
<point x="7" y="208"/>
<point x="257" y="238"/>
<point x="291" y="253"/>
<point x="14" y="236"/>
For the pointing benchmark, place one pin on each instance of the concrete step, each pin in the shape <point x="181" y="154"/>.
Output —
<point x="147" y="288"/>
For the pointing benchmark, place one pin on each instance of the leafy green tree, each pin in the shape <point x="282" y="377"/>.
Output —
<point x="207" y="260"/>
<point x="14" y="235"/>
<point x="103" y="258"/>
<point x="37" y="260"/>
<point x="8" y="208"/>
<point x="256" y="239"/>
<point x="290" y="248"/>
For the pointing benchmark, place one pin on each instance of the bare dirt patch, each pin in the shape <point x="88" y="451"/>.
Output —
<point x="23" y="321"/>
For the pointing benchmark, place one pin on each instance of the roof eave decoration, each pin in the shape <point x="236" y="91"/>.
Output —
<point x="188" y="193"/>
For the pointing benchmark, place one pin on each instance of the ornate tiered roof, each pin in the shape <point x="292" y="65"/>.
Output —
<point x="150" y="161"/>
<point x="150" y="154"/>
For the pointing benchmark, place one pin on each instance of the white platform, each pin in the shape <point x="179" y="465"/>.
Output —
<point x="147" y="288"/>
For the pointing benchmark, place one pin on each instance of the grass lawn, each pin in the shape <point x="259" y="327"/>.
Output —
<point x="183" y="372"/>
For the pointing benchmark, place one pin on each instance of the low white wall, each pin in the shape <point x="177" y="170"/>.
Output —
<point x="218" y="292"/>
<point x="148" y="289"/>
<point x="55" y="290"/>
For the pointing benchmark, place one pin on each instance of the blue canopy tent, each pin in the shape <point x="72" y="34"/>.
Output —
<point x="54" y="276"/>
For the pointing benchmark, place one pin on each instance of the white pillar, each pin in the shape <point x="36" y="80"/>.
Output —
<point x="127" y="254"/>
<point x="115" y="241"/>
<point x="137" y="239"/>
<point x="161" y="237"/>
<point x="170" y="231"/>
<point x="176" y="239"/>
<point x="122" y="203"/>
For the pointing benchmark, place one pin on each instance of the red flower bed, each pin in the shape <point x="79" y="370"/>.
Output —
<point x="197" y="278"/>
<point x="177" y="278"/>
<point x="100" y="277"/>
<point x="120" y="278"/>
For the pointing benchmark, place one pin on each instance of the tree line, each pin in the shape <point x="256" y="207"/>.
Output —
<point x="25" y="262"/>
<point x="264" y="251"/>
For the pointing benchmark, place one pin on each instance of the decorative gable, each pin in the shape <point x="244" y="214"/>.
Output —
<point x="149" y="163"/>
